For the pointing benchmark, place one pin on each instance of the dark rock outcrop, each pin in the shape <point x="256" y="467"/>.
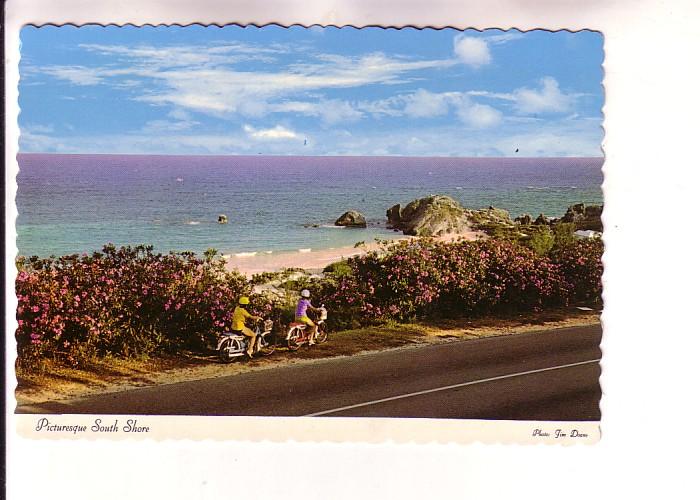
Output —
<point x="351" y="218"/>
<point x="393" y="216"/>
<point x="584" y="217"/>
<point x="524" y="220"/>
<point x="541" y="220"/>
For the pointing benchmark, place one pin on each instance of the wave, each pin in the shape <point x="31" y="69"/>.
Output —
<point x="332" y="226"/>
<point x="304" y="250"/>
<point x="246" y="254"/>
<point x="193" y="223"/>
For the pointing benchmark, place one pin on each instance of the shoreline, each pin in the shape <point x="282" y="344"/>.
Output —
<point x="250" y="263"/>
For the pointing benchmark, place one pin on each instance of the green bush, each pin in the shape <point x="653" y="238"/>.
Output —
<point x="563" y="234"/>
<point x="540" y="240"/>
<point x="338" y="269"/>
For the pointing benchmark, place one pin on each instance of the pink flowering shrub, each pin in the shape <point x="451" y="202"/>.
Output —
<point x="427" y="279"/>
<point x="582" y="265"/>
<point x="130" y="301"/>
<point x="124" y="302"/>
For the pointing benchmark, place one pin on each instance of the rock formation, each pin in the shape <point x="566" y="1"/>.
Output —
<point x="430" y="216"/>
<point x="485" y="218"/>
<point x="541" y="220"/>
<point x="351" y="218"/>
<point x="393" y="216"/>
<point x="524" y="220"/>
<point x="584" y="217"/>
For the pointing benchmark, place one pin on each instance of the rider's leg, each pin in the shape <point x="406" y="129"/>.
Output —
<point x="309" y="324"/>
<point x="251" y="340"/>
<point x="314" y="331"/>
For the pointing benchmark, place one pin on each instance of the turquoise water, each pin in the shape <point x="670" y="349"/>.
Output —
<point x="77" y="203"/>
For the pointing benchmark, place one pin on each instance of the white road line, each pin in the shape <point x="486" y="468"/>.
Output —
<point x="448" y="387"/>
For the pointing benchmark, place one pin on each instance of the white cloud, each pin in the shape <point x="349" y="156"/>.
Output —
<point x="207" y="80"/>
<point x="38" y="128"/>
<point x="492" y="95"/>
<point x="424" y="104"/>
<point x="504" y="38"/>
<point x="179" y="114"/>
<point x="221" y="91"/>
<point x="479" y="115"/>
<point x="472" y="51"/>
<point x="330" y="111"/>
<point x="187" y="55"/>
<point x="276" y="133"/>
<point x="391" y="106"/>
<point x="563" y="137"/>
<point x="158" y="126"/>
<point x="77" y="75"/>
<point x="547" y="99"/>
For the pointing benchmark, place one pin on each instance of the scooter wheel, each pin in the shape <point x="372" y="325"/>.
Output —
<point x="224" y="354"/>
<point x="293" y="343"/>
<point x="322" y="334"/>
<point x="267" y="349"/>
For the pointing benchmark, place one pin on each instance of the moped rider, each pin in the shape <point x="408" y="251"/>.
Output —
<point x="300" y="315"/>
<point x="240" y="314"/>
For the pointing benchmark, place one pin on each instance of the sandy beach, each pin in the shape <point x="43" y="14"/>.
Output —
<point x="316" y="259"/>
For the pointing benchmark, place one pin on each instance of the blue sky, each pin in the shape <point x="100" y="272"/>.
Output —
<point x="318" y="91"/>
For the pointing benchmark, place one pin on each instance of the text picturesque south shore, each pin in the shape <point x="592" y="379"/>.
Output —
<point x="131" y="425"/>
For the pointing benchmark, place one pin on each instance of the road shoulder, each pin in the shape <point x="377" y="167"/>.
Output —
<point x="111" y="376"/>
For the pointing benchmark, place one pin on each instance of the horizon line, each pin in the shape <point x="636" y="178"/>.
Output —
<point x="302" y="156"/>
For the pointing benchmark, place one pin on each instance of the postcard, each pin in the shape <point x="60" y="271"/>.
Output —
<point x="309" y="222"/>
<point x="244" y="232"/>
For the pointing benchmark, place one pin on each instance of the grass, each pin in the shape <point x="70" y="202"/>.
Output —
<point x="54" y="381"/>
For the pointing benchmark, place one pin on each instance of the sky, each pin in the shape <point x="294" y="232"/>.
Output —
<point x="310" y="91"/>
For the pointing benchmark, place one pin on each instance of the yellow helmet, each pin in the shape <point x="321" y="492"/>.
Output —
<point x="244" y="301"/>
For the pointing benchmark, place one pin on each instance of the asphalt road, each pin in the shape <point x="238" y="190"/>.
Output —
<point x="548" y="375"/>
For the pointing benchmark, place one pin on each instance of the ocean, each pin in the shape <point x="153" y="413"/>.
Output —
<point x="77" y="203"/>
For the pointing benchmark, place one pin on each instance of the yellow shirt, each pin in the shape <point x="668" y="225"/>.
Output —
<point x="239" y="317"/>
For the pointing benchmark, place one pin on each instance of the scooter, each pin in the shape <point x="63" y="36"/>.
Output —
<point x="299" y="334"/>
<point x="232" y="345"/>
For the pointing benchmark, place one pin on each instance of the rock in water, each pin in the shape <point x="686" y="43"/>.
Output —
<point x="393" y="216"/>
<point x="223" y="219"/>
<point x="351" y="218"/>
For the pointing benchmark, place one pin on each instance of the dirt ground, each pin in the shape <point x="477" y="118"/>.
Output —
<point x="114" y="375"/>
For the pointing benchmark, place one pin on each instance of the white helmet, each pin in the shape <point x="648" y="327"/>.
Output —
<point x="305" y="293"/>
